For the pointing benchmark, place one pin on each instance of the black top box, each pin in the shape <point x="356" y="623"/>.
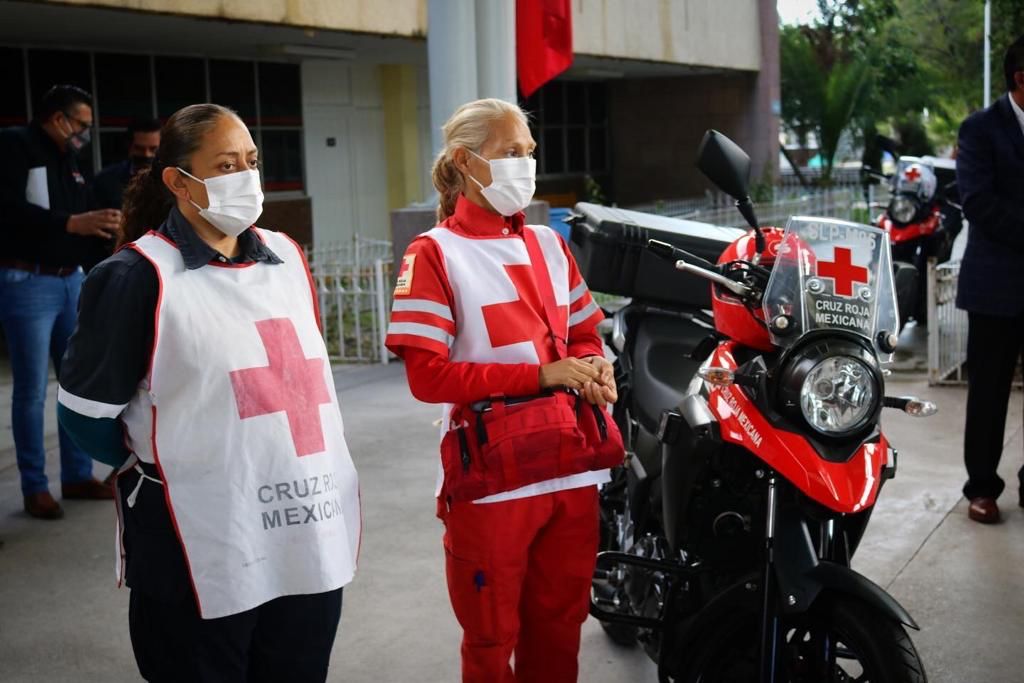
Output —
<point x="610" y="246"/>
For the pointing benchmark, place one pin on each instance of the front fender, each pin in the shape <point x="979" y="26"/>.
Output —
<point x="836" y="577"/>
<point x="802" y="577"/>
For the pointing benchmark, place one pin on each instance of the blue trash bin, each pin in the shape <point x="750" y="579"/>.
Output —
<point x="557" y="218"/>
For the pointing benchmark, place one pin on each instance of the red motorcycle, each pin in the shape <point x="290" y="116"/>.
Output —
<point x="922" y="219"/>
<point x="728" y="534"/>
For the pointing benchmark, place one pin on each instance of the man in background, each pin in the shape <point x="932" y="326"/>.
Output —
<point x="47" y="234"/>
<point x="990" y="175"/>
<point x="143" y="141"/>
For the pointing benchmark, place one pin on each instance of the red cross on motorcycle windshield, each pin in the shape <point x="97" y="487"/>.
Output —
<point x="831" y="274"/>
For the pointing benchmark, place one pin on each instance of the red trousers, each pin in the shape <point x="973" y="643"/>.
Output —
<point x="519" y="576"/>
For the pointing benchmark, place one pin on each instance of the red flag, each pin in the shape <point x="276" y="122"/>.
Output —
<point x="543" y="41"/>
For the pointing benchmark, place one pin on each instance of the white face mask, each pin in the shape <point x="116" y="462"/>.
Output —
<point x="513" y="182"/>
<point x="236" y="201"/>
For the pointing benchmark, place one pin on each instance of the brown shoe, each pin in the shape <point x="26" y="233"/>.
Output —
<point x="984" y="510"/>
<point x="43" y="506"/>
<point x="93" y="489"/>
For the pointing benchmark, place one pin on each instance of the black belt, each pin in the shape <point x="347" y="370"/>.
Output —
<point x="38" y="268"/>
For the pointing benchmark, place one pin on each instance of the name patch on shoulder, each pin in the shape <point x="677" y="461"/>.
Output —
<point x="403" y="287"/>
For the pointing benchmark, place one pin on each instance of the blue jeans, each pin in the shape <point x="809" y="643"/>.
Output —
<point x="38" y="314"/>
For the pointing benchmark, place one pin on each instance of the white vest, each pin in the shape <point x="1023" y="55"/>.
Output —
<point x="240" y="415"/>
<point x="479" y="278"/>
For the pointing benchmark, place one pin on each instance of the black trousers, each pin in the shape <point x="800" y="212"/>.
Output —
<point x="285" y="640"/>
<point x="994" y="344"/>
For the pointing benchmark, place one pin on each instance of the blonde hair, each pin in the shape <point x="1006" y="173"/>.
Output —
<point x="468" y="127"/>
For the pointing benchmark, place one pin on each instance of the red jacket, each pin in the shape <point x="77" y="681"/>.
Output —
<point x="433" y="377"/>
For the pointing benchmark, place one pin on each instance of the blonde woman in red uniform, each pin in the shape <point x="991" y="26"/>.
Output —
<point x="493" y="319"/>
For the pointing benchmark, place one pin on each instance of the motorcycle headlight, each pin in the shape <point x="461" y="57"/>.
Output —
<point x="838" y="395"/>
<point x="903" y="209"/>
<point x="832" y="383"/>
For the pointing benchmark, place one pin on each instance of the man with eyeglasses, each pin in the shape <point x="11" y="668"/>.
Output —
<point x="47" y="235"/>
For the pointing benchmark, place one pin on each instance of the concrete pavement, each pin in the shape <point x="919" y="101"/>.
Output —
<point x="62" y="618"/>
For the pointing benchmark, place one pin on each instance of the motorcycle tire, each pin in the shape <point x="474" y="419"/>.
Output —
<point x="883" y="650"/>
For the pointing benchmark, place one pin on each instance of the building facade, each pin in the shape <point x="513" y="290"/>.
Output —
<point x="338" y="98"/>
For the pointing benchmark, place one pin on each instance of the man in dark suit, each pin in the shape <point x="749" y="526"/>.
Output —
<point x="990" y="175"/>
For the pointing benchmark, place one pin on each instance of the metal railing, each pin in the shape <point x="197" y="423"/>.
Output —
<point x="947" y="326"/>
<point x="353" y="282"/>
<point x="846" y="203"/>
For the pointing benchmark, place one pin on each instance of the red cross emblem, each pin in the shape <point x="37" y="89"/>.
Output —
<point x="291" y="383"/>
<point x="912" y="174"/>
<point x="522" y="320"/>
<point x="403" y="285"/>
<point x="842" y="272"/>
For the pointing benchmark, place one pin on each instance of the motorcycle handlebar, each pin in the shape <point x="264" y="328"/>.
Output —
<point x="710" y="272"/>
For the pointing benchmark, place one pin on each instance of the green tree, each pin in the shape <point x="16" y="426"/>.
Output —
<point x="949" y="50"/>
<point x="840" y="72"/>
<point x="1007" y="26"/>
<point x="844" y="93"/>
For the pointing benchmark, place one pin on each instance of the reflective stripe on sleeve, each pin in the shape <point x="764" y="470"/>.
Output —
<point x="423" y="306"/>
<point x="421" y="330"/>
<point x="583" y="314"/>
<point x="578" y="293"/>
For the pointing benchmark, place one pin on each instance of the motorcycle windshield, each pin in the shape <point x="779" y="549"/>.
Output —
<point x="831" y="274"/>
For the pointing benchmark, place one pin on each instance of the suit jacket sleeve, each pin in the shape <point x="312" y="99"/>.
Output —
<point x="999" y="218"/>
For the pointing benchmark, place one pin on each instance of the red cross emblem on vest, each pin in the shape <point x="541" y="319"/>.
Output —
<point x="291" y="383"/>
<point x="522" y="320"/>
<point x="912" y="174"/>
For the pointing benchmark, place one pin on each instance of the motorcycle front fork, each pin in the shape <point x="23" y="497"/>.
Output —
<point x="773" y="640"/>
<point x="770" y="616"/>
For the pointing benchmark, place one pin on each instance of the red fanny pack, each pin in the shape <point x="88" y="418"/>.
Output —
<point x="506" y="443"/>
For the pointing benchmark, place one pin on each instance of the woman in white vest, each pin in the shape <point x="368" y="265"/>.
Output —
<point x="199" y="371"/>
<point x="485" y="307"/>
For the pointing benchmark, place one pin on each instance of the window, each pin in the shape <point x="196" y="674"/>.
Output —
<point x="47" y="68"/>
<point x="280" y="100"/>
<point x="13" y="107"/>
<point x="281" y="153"/>
<point x="124" y="85"/>
<point x="570" y="124"/>
<point x="280" y="94"/>
<point x="180" y="81"/>
<point x="233" y="84"/>
<point x="124" y="91"/>
<point x="267" y="95"/>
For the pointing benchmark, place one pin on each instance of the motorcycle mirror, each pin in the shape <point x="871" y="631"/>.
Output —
<point x="720" y="377"/>
<point x="725" y="164"/>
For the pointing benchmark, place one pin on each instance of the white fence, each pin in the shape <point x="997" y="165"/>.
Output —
<point x="354" y="285"/>
<point x="947" y="326"/>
